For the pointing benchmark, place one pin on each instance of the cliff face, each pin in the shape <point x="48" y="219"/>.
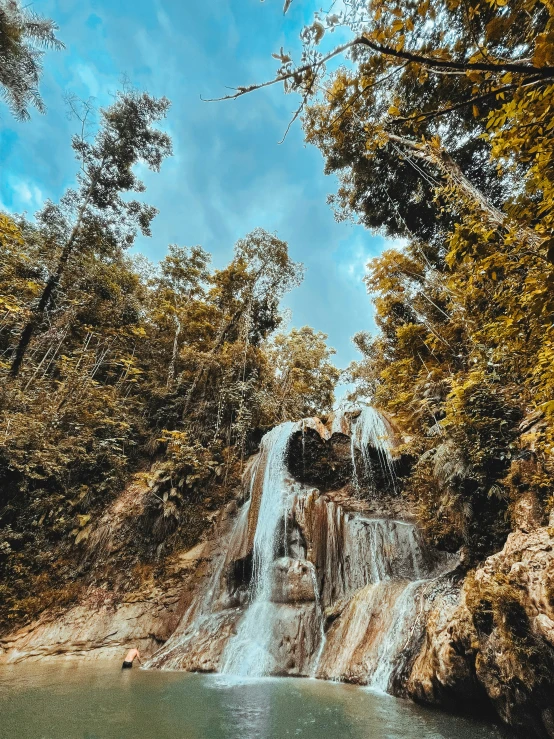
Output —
<point x="106" y="622"/>
<point x="297" y="578"/>
<point x="490" y="642"/>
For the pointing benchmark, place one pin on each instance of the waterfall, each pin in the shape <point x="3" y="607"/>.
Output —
<point x="305" y="583"/>
<point x="321" y="620"/>
<point x="247" y="653"/>
<point x="371" y="431"/>
<point x="199" y="617"/>
<point x="405" y="613"/>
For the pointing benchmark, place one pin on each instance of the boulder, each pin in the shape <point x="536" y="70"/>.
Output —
<point x="293" y="581"/>
<point x="490" y="643"/>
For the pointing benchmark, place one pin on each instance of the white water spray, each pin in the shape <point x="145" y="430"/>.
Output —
<point x="370" y="431"/>
<point x="247" y="653"/>
<point x="404" y="619"/>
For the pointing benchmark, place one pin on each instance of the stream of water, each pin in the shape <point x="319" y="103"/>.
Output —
<point x="63" y="701"/>
<point x="248" y="652"/>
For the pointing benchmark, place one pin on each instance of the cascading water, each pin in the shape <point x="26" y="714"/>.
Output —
<point x="404" y="618"/>
<point x="305" y="585"/>
<point x="248" y="653"/>
<point x="372" y="432"/>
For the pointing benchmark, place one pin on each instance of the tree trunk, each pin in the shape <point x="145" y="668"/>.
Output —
<point x="30" y="328"/>
<point x="171" y="371"/>
<point x="219" y="341"/>
<point x="51" y="284"/>
<point x="454" y="175"/>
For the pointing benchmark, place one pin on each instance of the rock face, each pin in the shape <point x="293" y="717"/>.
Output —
<point x="306" y="580"/>
<point x="293" y="581"/>
<point x="102" y="627"/>
<point x="490" y="642"/>
<point x="104" y="624"/>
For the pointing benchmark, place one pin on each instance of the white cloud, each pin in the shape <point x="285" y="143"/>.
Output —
<point x="27" y="195"/>
<point x="89" y="78"/>
<point x="352" y="261"/>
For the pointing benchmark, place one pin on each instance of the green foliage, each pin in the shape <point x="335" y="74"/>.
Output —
<point x="133" y="366"/>
<point x="24" y="36"/>
<point x="304" y="374"/>
<point x="179" y="484"/>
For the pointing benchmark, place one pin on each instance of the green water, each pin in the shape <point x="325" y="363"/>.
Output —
<point x="103" y="702"/>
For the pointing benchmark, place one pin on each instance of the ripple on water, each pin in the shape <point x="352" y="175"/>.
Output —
<point x="64" y="701"/>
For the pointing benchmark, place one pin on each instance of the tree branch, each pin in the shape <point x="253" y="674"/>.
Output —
<point x="477" y="98"/>
<point x="358" y="94"/>
<point x="408" y="56"/>
<point x="453" y="174"/>
<point x="468" y="101"/>
<point x="426" y="61"/>
<point x="282" y="77"/>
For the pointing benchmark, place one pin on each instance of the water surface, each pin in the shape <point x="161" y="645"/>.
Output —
<point x="65" y="701"/>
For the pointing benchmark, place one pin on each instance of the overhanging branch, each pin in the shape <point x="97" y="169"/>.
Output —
<point x="408" y="56"/>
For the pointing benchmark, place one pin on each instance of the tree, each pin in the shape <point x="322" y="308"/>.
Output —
<point x="97" y="211"/>
<point x="183" y="275"/>
<point x="24" y="36"/>
<point x="305" y="377"/>
<point x="422" y="80"/>
<point x="247" y="294"/>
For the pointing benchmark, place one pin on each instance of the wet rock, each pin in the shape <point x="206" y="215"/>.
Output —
<point x="293" y="581"/>
<point x="443" y="673"/>
<point x="201" y="649"/>
<point x="315" y="460"/>
<point x="295" y="639"/>
<point x="100" y="628"/>
<point x="491" y="644"/>
<point x="106" y="623"/>
<point x="354" y="639"/>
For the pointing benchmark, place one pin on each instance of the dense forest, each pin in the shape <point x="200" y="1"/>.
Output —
<point x="441" y="133"/>
<point x="111" y="363"/>
<point x="436" y="117"/>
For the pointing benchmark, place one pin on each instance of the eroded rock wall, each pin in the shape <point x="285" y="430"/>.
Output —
<point x="489" y="643"/>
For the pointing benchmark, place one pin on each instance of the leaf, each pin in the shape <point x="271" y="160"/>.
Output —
<point x="83" y="535"/>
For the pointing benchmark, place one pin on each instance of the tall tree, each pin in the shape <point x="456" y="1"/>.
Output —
<point x="183" y="277"/>
<point x="247" y="293"/>
<point x="408" y="111"/>
<point x="24" y="37"/>
<point x="127" y="135"/>
<point x="304" y="375"/>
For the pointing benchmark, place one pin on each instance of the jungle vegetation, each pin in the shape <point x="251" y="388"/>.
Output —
<point x="112" y="366"/>
<point x="436" y="118"/>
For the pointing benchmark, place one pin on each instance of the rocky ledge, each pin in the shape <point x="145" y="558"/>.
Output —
<point x="490" y="643"/>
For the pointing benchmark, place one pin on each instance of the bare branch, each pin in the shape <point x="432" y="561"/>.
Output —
<point x="299" y="109"/>
<point x="426" y="61"/>
<point x="282" y="77"/>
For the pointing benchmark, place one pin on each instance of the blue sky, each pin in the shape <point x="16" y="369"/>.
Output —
<point x="228" y="174"/>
